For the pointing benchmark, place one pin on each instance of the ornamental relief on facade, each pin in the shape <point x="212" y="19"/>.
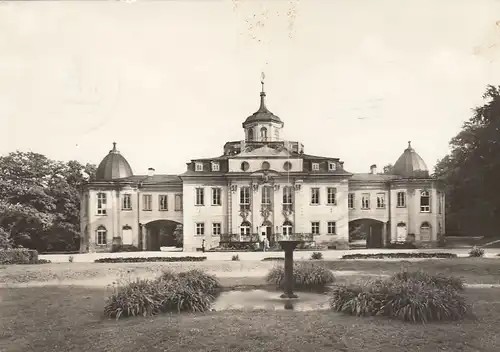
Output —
<point x="265" y="212"/>
<point x="244" y="213"/>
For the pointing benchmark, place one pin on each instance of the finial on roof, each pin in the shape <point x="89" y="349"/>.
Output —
<point x="409" y="144"/>
<point x="114" y="147"/>
<point x="262" y="77"/>
<point x="263" y="107"/>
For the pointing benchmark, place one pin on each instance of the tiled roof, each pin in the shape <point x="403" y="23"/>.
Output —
<point x="367" y="177"/>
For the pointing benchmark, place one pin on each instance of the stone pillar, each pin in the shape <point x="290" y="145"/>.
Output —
<point x="288" y="247"/>
<point x="384" y="234"/>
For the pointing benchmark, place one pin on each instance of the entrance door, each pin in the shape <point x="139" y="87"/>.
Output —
<point x="401" y="232"/>
<point x="268" y="233"/>
<point x="425" y="232"/>
<point x="127" y="236"/>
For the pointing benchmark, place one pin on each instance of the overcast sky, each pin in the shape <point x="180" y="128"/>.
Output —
<point x="173" y="80"/>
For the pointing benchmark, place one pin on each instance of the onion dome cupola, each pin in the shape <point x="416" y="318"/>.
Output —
<point x="113" y="166"/>
<point x="262" y="125"/>
<point x="410" y="165"/>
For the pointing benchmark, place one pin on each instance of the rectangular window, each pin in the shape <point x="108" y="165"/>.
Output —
<point x="332" y="166"/>
<point x="365" y="201"/>
<point x="245" y="198"/>
<point x="215" y="167"/>
<point x="287" y="195"/>
<point x="315" y="227"/>
<point x="314" y="195"/>
<point x="178" y="202"/>
<point x="315" y="166"/>
<point x="163" y="202"/>
<point x="101" y="204"/>
<point x="127" y="202"/>
<point x="332" y="196"/>
<point x="200" y="196"/>
<point x="200" y="229"/>
<point x="216" y="196"/>
<point x="199" y="167"/>
<point x="380" y="200"/>
<point x="401" y="200"/>
<point x="216" y="229"/>
<point x="147" y="202"/>
<point x="331" y="228"/>
<point x="266" y="195"/>
<point x="350" y="200"/>
<point x="101" y="236"/>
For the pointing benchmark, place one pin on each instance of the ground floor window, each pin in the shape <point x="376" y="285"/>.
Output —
<point x="331" y="228"/>
<point x="200" y="229"/>
<point x="315" y="227"/>
<point x="101" y="236"/>
<point x="287" y="228"/>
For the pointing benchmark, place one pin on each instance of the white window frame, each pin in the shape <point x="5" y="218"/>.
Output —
<point x="351" y="200"/>
<point x="401" y="199"/>
<point x="315" y="195"/>
<point x="365" y="201"/>
<point x="287" y="228"/>
<point x="245" y="228"/>
<point x="216" y="196"/>
<point x="199" y="196"/>
<point x="267" y="195"/>
<point x="287" y="195"/>
<point x="163" y="202"/>
<point x="178" y="202"/>
<point x="425" y="208"/>
<point x="331" y="228"/>
<point x="315" y="227"/>
<point x="199" y="229"/>
<point x="198" y="166"/>
<point x="245" y="197"/>
<point x="101" y="236"/>
<point x="315" y="166"/>
<point x="380" y="200"/>
<point x="216" y="229"/>
<point x="332" y="166"/>
<point x="331" y="196"/>
<point x="127" y="201"/>
<point x="147" y="202"/>
<point x="215" y="166"/>
<point x="102" y="202"/>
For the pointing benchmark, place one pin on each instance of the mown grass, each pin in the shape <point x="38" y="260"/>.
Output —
<point x="70" y="319"/>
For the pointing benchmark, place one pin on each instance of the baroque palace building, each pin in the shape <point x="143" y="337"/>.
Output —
<point x="261" y="186"/>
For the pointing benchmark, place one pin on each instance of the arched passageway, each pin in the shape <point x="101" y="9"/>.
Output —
<point x="370" y="230"/>
<point x="162" y="233"/>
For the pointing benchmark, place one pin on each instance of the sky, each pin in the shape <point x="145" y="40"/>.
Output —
<point x="171" y="81"/>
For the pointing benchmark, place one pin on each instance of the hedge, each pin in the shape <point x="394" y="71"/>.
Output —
<point x="149" y="259"/>
<point x="18" y="256"/>
<point x="399" y="255"/>
<point x="272" y="258"/>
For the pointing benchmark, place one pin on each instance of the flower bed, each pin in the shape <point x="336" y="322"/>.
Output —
<point x="400" y="255"/>
<point x="150" y="259"/>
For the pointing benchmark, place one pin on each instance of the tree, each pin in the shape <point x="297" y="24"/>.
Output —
<point x="40" y="205"/>
<point x="388" y="169"/>
<point x="471" y="171"/>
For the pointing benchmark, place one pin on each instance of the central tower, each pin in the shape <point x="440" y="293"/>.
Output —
<point x="262" y="125"/>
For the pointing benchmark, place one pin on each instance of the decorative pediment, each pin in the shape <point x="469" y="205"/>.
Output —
<point x="265" y="177"/>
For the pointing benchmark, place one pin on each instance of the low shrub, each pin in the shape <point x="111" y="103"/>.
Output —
<point x="124" y="248"/>
<point x="43" y="261"/>
<point x="18" y="256"/>
<point x="437" y="280"/>
<point x="272" y="258"/>
<point x="307" y="276"/>
<point x="191" y="291"/>
<point x="476" y="252"/>
<point x="150" y="259"/>
<point x="235" y="257"/>
<point x="412" y="297"/>
<point x="401" y="245"/>
<point x="316" y="256"/>
<point x="71" y="258"/>
<point x="400" y="255"/>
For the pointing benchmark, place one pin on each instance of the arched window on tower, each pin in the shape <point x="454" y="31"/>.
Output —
<point x="425" y="202"/>
<point x="263" y="134"/>
<point x="250" y="134"/>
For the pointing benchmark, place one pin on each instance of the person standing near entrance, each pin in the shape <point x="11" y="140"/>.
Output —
<point x="265" y="243"/>
<point x="203" y="246"/>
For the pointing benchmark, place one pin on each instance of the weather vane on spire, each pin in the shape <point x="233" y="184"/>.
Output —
<point x="262" y="77"/>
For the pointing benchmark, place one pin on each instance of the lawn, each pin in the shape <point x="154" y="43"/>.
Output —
<point x="69" y="318"/>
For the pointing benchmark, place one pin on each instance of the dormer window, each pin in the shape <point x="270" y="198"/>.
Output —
<point x="215" y="166"/>
<point x="198" y="166"/>
<point x="315" y="166"/>
<point x="332" y="166"/>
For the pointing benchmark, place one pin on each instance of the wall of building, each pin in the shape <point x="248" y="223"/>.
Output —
<point x="256" y="164"/>
<point x="206" y="214"/>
